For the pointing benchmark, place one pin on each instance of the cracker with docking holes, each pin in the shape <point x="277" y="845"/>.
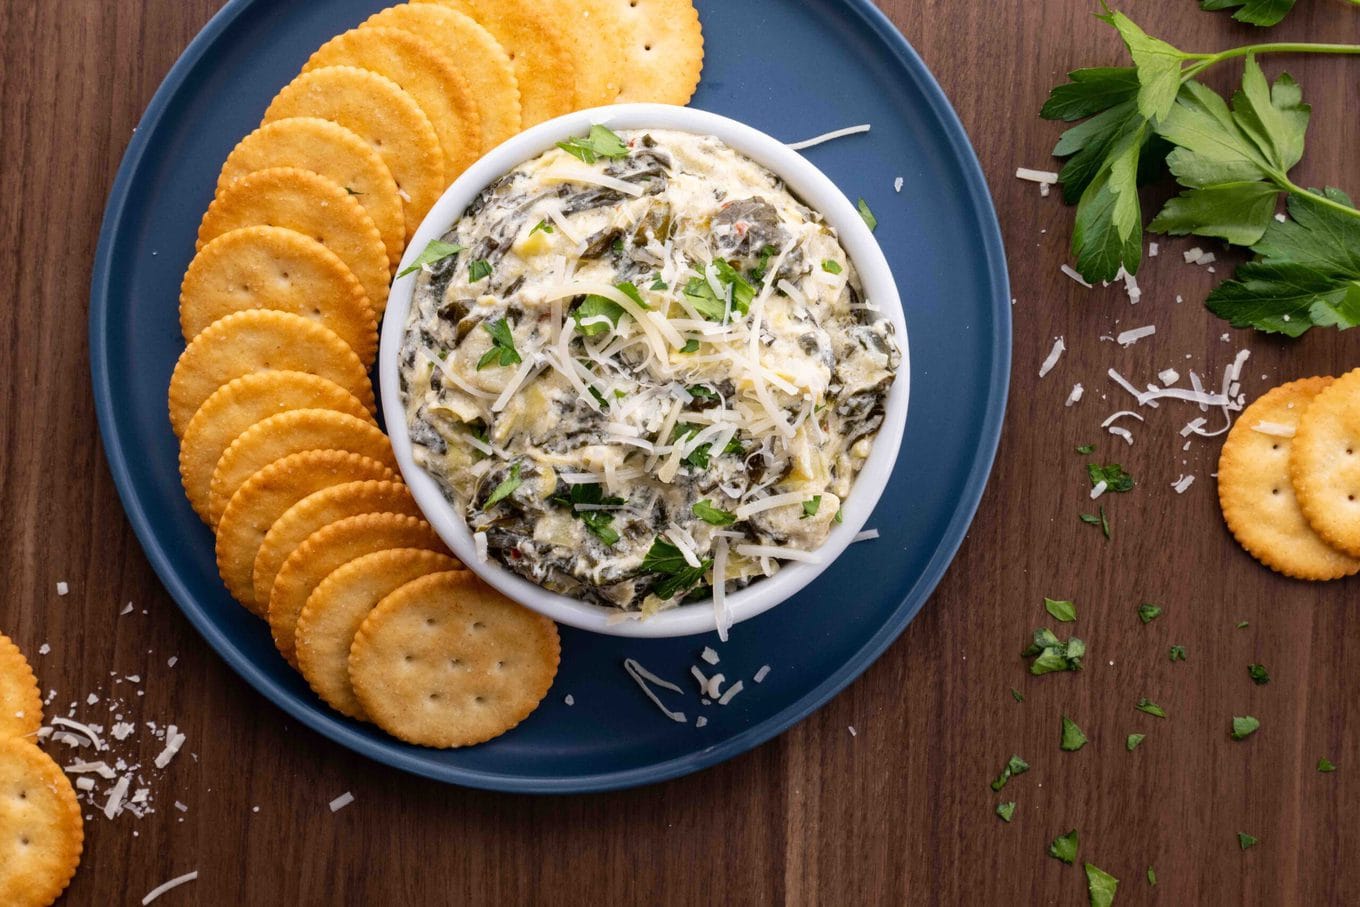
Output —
<point x="289" y="433"/>
<point x="265" y="497"/>
<point x="282" y="270"/>
<point x="1325" y="464"/>
<point x="480" y="58"/>
<point x="316" y="511"/>
<point x="312" y="205"/>
<point x="1255" y="492"/>
<point x="378" y="111"/>
<point x="330" y="548"/>
<point x="337" y="607"/>
<point x="20" y="699"/>
<point x="663" y="49"/>
<point x="260" y="340"/>
<point x="596" y="39"/>
<point x="447" y="661"/>
<point x="239" y="404"/>
<point x="311" y="143"/>
<point x="41" y="831"/>
<point x="545" y="68"/>
<point x="426" y="73"/>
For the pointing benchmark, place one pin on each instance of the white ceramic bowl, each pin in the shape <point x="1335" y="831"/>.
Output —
<point x="807" y="182"/>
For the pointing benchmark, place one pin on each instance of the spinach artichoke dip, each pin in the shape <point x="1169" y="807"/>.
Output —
<point x="643" y="371"/>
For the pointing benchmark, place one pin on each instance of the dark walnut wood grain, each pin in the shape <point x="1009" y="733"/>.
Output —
<point x="900" y="813"/>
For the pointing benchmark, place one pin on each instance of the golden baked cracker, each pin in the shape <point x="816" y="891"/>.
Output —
<point x="325" y="551"/>
<point x="1255" y="493"/>
<point x="327" y="148"/>
<point x="597" y="41"/>
<point x="266" y="496"/>
<point x="20" y="699"/>
<point x="239" y="404"/>
<point x="289" y="433"/>
<point x="663" y="49"/>
<point x="260" y="340"/>
<point x="378" y="111"/>
<point x="280" y="269"/>
<point x="41" y="831"/>
<point x="448" y="661"/>
<point x="329" y="505"/>
<point x="337" y="607"/>
<point x="1325" y="464"/>
<point x="479" y="57"/>
<point x="423" y="71"/>
<point x="541" y="53"/>
<point x="312" y="205"/>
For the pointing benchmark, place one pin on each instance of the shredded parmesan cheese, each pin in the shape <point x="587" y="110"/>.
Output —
<point x="828" y="136"/>
<point x="167" y="886"/>
<point x="1053" y="355"/>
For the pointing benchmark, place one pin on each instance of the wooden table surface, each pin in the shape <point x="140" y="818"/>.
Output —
<point x="900" y="813"/>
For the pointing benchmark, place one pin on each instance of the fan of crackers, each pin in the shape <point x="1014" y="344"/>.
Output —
<point x="272" y="401"/>
<point x="1289" y="478"/>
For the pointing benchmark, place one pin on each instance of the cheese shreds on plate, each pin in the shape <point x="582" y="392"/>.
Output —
<point x="761" y="674"/>
<point x="644" y="678"/>
<point x="731" y="693"/>
<point x="167" y="886"/>
<point x="829" y="136"/>
<point x="1053" y="355"/>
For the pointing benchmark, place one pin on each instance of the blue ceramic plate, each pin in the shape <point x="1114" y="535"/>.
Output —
<point x="818" y="65"/>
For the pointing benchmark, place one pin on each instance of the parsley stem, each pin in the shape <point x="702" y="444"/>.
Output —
<point x="1290" y="186"/>
<point x="1279" y="47"/>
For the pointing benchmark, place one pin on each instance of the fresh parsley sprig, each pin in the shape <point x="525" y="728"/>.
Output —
<point x="677" y="575"/>
<point x="502" y="352"/>
<point x="599" y="143"/>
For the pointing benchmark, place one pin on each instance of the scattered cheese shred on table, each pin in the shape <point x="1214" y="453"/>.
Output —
<point x="829" y="136"/>
<point x="1121" y="433"/>
<point x="1098" y="489"/>
<point x="1183" y="483"/>
<point x="1072" y="273"/>
<point x="173" y="883"/>
<point x="63" y="588"/>
<point x="897" y="184"/>
<point x="1075" y="397"/>
<point x="1053" y="355"/>
<point x="173" y="741"/>
<point x="1036" y="176"/>
<point x="341" y="801"/>
<point x="1133" y="335"/>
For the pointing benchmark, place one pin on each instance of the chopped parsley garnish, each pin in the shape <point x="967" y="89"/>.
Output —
<point x="1132" y="741"/>
<point x="1245" y="840"/>
<point x="707" y="303"/>
<point x="658" y="283"/>
<point x="1326" y="765"/>
<point x="1147" y="613"/>
<point x="1152" y="708"/>
<point x="1093" y="520"/>
<point x="1061" y="610"/>
<point x="702" y="392"/>
<point x="1014" y="766"/>
<point x="714" y="516"/>
<point x="1177" y="653"/>
<point x="505" y="488"/>
<point x="1258" y="674"/>
<point x="699" y="456"/>
<point x="1054" y="654"/>
<point x="811" y="506"/>
<point x="1101" y="886"/>
<point x="592" y="307"/>
<point x="1112" y="474"/>
<point x="629" y="289"/>
<point x="542" y="227"/>
<point x="1005" y="810"/>
<point x="502" y="352"/>
<point x="831" y="266"/>
<point x="1152" y="876"/>
<point x="1243" y="726"/>
<point x="759" y="271"/>
<point x="691" y="346"/>
<point x="436" y="251"/>
<point x="665" y="559"/>
<point x="1086" y="449"/>
<point x="478" y="269"/>
<point x="617" y="246"/>
<point x="1073" y="738"/>
<point x="1017" y="695"/>
<point x="869" y="220"/>
<point x="599" y="522"/>
<point x="839" y="517"/>
<point x="1064" y="847"/>
<point x="600" y="142"/>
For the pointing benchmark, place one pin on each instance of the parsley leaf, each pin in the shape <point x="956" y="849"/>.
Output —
<point x="665" y="559"/>
<point x="1100" y="520"/>
<point x="598" y="522"/>
<point x="1131" y="742"/>
<point x="1061" y="610"/>
<point x="1101" y="886"/>
<point x="712" y="515"/>
<point x="1152" y="708"/>
<point x="1245" y="840"/>
<point x="831" y="266"/>
<point x="502" y="350"/>
<point x="1017" y="695"/>
<point x="1073" y="738"/>
<point x="1064" y="847"/>
<point x="1005" y="811"/>
<point x="1014" y="766"/>
<point x="1086" y="449"/>
<point x="593" y="307"/>
<point x="1157" y="62"/>
<point x="1177" y="653"/>
<point x="811" y="506"/>
<point x="505" y="488"/>
<point x="1254" y="12"/>
<point x="1243" y="726"/>
<point x="478" y="269"/>
<point x="1091" y="91"/>
<point x="658" y="283"/>
<point x="691" y="346"/>
<point x="436" y="251"/>
<point x="700" y="293"/>
<point x="1054" y="654"/>
<point x="600" y="142"/>
<point x="1325" y="765"/>
<point x="542" y="227"/>
<point x="1242" y="625"/>
<point x="1112" y="474"/>
<point x="1147" y="613"/>
<point x="1152" y="876"/>
<point x="702" y="392"/>
<point x="1258" y="674"/>
<point x="869" y="219"/>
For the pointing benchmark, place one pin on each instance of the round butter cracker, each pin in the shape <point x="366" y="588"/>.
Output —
<point x="1255" y="492"/>
<point x="265" y="497"/>
<point x="330" y="548"/>
<point x="41" y="831"/>
<point x="260" y="340"/>
<point x="336" y="609"/>
<point x="663" y="49"/>
<point x="1325" y="464"/>
<point x="447" y="661"/>
<point x="282" y="270"/>
<point x="20" y="699"/>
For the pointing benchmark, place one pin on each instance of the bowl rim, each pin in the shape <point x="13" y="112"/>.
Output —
<point x="807" y="182"/>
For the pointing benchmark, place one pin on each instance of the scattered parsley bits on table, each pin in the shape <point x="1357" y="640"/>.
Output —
<point x="1017" y="695"/>
<point x="1092" y="519"/>
<point x="1005" y="810"/>
<point x="1084" y="449"/>
<point x="1245" y="840"/>
<point x="1177" y="653"/>
<point x="1101" y="886"/>
<point x="1152" y="708"/>
<point x="1147" y="613"/>
<point x="1325" y="765"/>
<point x="1243" y="726"/>
<point x="1242" y="625"/>
<point x="1064" y="847"/>
<point x="1014" y="766"/>
<point x="1073" y="738"/>
<point x="1114" y="476"/>
<point x="1064" y="611"/>
<point x="1152" y="876"/>
<point x="1053" y="654"/>
<point x="1131" y="743"/>
<point x="1258" y="674"/>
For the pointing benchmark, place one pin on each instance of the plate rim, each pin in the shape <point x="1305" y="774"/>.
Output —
<point x="338" y="730"/>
